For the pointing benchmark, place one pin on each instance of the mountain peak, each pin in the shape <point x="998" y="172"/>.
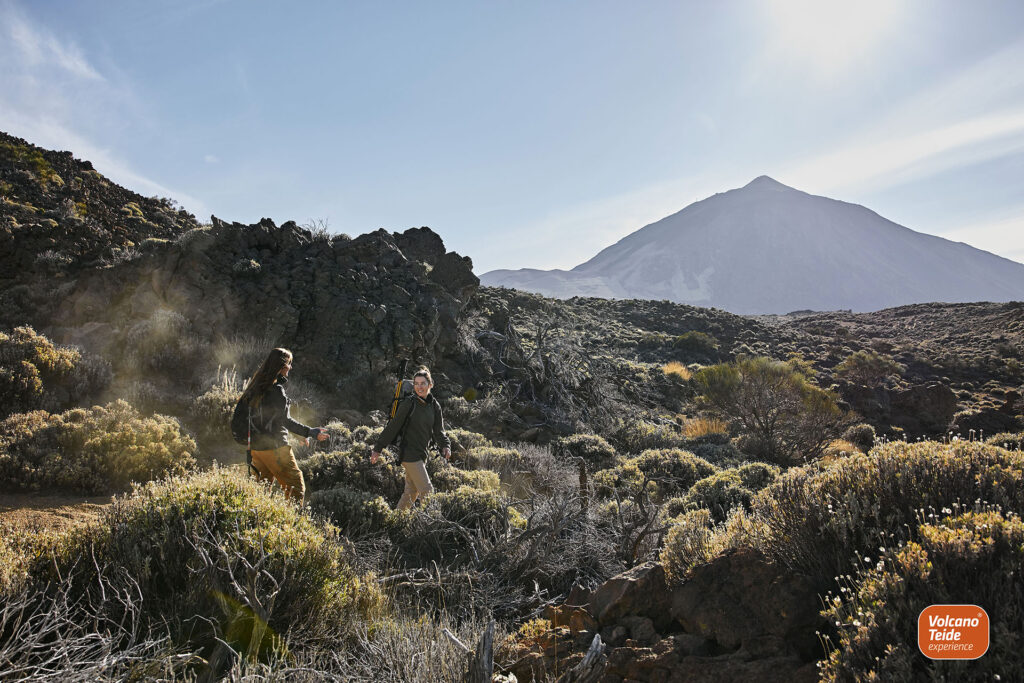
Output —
<point x="766" y="182"/>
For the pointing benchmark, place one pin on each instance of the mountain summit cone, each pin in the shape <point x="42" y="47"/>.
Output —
<point x="770" y="248"/>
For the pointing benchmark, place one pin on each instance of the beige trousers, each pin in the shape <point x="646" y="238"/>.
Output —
<point x="417" y="484"/>
<point x="279" y="465"/>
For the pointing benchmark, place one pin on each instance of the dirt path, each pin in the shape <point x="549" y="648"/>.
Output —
<point x="49" y="511"/>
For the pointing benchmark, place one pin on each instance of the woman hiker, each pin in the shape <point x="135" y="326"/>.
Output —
<point x="417" y="419"/>
<point x="272" y="457"/>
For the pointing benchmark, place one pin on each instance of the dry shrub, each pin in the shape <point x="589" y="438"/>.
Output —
<point x="211" y="411"/>
<point x="694" y="539"/>
<point x="698" y="427"/>
<point x="677" y="369"/>
<point x="98" y="450"/>
<point x="877" y="614"/>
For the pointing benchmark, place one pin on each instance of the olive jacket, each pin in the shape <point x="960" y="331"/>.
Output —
<point x="418" y="421"/>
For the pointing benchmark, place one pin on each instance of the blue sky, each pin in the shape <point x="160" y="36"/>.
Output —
<point x="531" y="134"/>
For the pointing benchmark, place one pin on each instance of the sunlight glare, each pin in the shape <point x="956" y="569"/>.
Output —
<point x="829" y="36"/>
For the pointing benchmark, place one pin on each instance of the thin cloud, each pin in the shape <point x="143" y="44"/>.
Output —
<point x="1002" y="234"/>
<point x="37" y="48"/>
<point x="975" y="116"/>
<point x="54" y="112"/>
<point x="211" y="159"/>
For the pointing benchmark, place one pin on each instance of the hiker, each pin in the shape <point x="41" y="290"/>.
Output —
<point x="272" y="457"/>
<point x="418" y="419"/>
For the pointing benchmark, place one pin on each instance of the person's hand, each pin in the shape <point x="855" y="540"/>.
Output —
<point x="322" y="434"/>
<point x="374" y="456"/>
<point x="447" y="454"/>
<point x="308" y="442"/>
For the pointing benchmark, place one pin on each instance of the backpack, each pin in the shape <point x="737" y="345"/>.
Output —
<point x="403" y="391"/>
<point x="240" y="423"/>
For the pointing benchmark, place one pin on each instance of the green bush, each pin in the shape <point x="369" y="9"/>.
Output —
<point x="184" y="547"/>
<point x="787" y="418"/>
<point x="719" y="494"/>
<point x="446" y="477"/>
<point x="35" y="374"/>
<point x="757" y="475"/>
<point x="464" y="440"/>
<point x="99" y="450"/>
<point x="868" y="367"/>
<point x="597" y="453"/>
<point x="860" y="435"/>
<point x="635" y="436"/>
<point x="355" y="513"/>
<point x="445" y="530"/>
<point x="662" y="473"/>
<point x="973" y="558"/>
<point x="696" y="342"/>
<point x="816" y="519"/>
<point x="352" y="468"/>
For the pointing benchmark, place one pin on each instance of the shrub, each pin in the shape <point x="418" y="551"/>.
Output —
<point x="837" y="448"/>
<point x="662" y="473"/>
<point x="501" y="460"/>
<point x="445" y="530"/>
<point x="704" y="426"/>
<point x="446" y="477"/>
<point x="635" y="436"/>
<point x="212" y="554"/>
<point x="719" y="494"/>
<point x="355" y="513"/>
<point x="677" y="369"/>
<point x="211" y="411"/>
<point x="861" y="435"/>
<point x="164" y="344"/>
<point x="788" y="418"/>
<point x="696" y="342"/>
<point x="1009" y="440"/>
<point x="694" y="539"/>
<point x="352" y="468"/>
<point x="877" y="620"/>
<point x="464" y="440"/>
<point x="757" y="475"/>
<point x="816" y="519"/>
<point x="36" y="374"/>
<point x="99" y="450"/>
<point x="867" y="367"/>
<point x="592" y="449"/>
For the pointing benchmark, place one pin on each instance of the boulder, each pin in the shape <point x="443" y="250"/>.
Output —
<point x="740" y="600"/>
<point x="639" y="592"/>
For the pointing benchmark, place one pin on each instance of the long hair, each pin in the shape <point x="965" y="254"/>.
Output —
<point x="265" y="376"/>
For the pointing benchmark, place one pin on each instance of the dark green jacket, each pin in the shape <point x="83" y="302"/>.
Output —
<point x="271" y="421"/>
<point x="418" y="421"/>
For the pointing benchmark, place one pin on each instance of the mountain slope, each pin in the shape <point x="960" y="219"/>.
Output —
<point x="768" y="248"/>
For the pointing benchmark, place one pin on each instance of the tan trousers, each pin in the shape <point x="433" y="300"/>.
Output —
<point x="417" y="484"/>
<point x="279" y="465"/>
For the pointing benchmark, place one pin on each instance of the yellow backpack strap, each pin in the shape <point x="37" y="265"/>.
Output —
<point x="394" y="402"/>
